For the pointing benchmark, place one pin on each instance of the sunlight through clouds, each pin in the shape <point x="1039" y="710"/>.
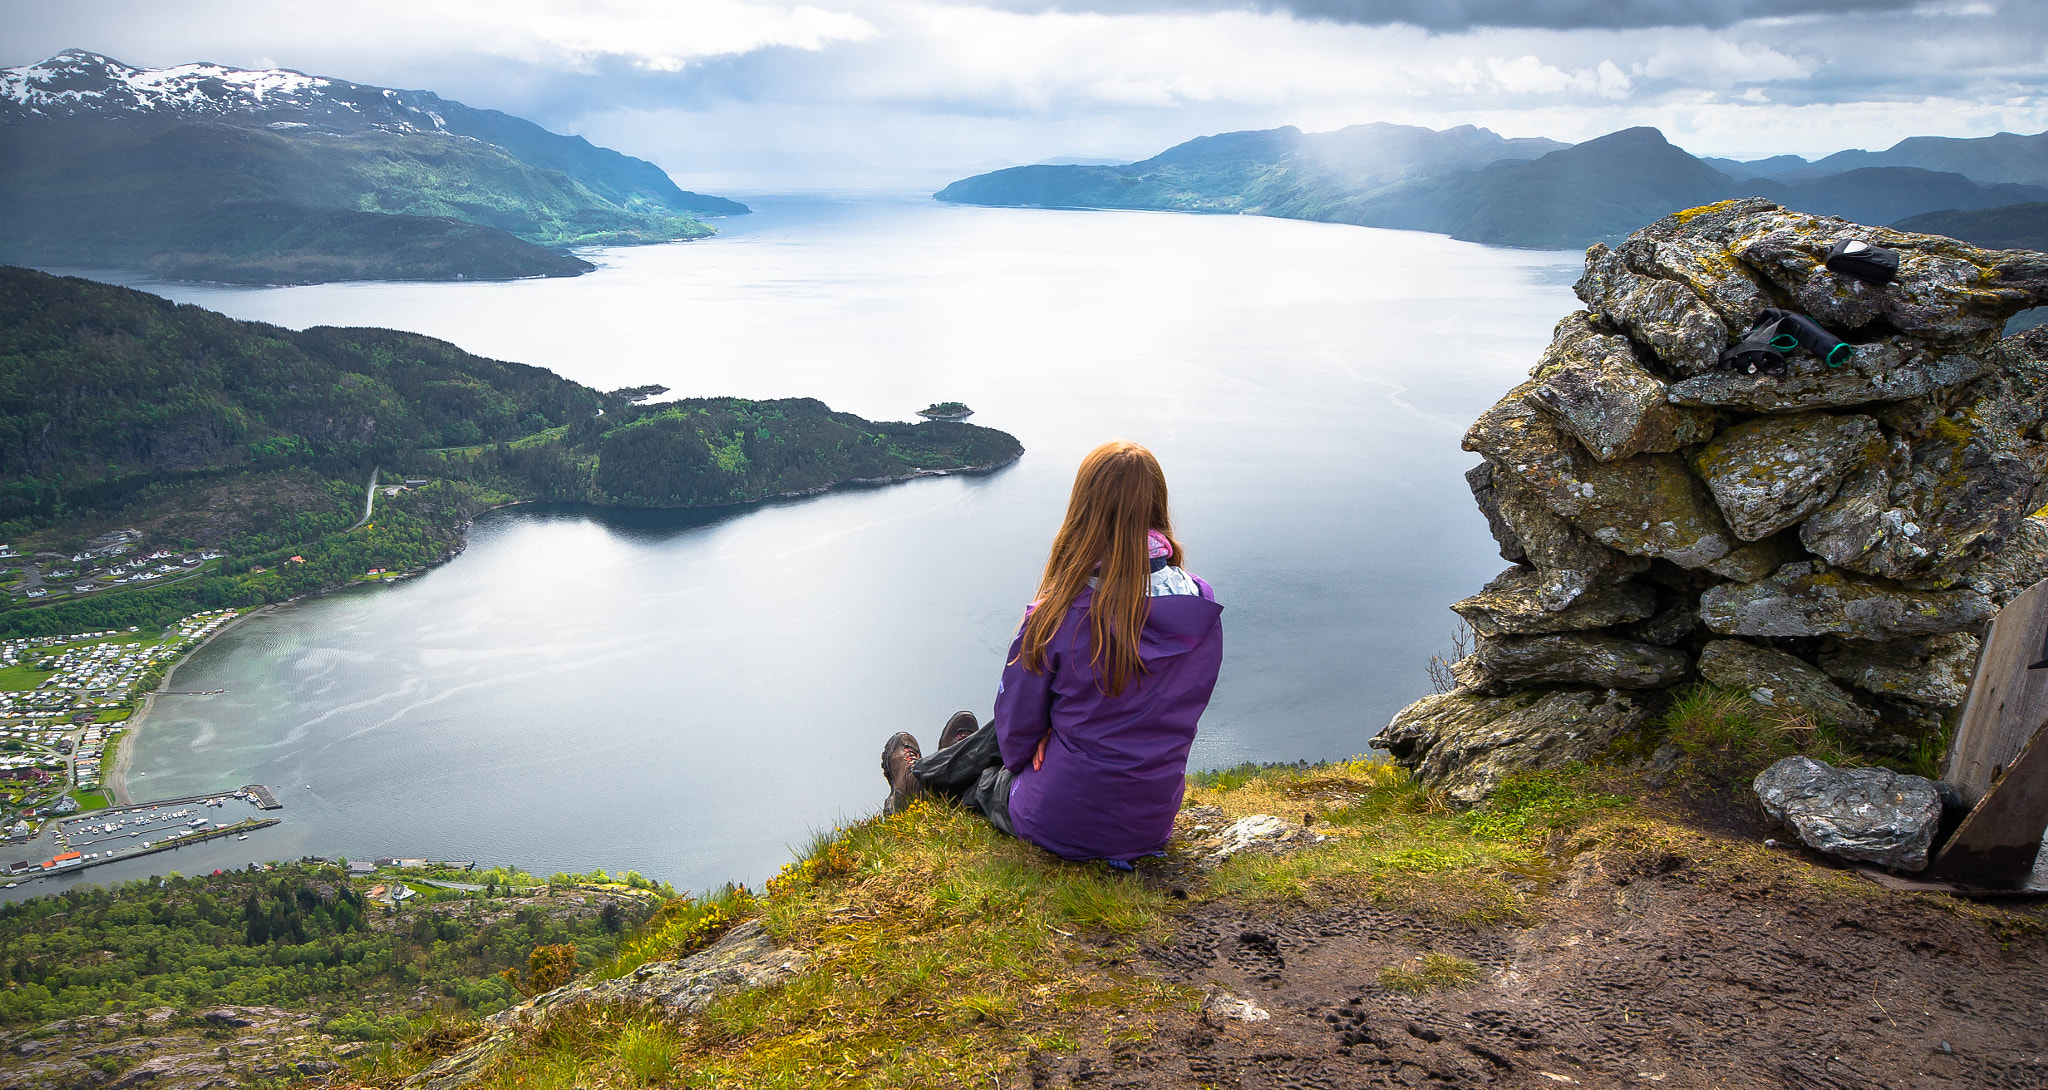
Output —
<point x="926" y="88"/>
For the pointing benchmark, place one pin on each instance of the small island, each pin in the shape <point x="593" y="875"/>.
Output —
<point x="946" y="410"/>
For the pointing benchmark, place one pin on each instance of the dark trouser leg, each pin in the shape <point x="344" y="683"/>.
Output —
<point x="971" y="771"/>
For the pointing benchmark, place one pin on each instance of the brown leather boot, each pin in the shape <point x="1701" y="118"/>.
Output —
<point x="960" y="726"/>
<point x="899" y="767"/>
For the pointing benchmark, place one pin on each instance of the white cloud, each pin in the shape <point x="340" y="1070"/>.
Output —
<point x="1526" y="75"/>
<point x="657" y="37"/>
<point x="1716" y="61"/>
<point x="926" y="84"/>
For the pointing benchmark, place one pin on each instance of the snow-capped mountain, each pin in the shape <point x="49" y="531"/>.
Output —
<point x="278" y="176"/>
<point x="80" y="86"/>
<point x="79" y="83"/>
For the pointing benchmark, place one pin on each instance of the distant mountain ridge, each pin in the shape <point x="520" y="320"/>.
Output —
<point x="2010" y="227"/>
<point x="1277" y="172"/>
<point x="201" y="166"/>
<point x="1476" y="186"/>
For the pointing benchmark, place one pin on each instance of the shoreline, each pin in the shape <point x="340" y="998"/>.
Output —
<point x="115" y="781"/>
<point x="801" y="493"/>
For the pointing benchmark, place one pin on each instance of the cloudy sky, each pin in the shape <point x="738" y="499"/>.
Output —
<point x="919" y="91"/>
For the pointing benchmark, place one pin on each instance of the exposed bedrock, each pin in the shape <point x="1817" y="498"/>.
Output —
<point x="1828" y="539"/>
<point x="1465" y="744"/>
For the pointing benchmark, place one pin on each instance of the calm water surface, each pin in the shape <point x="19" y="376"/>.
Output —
<point x="689" y="694"/>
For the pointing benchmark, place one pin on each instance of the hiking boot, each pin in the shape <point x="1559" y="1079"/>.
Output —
<point x="960" y="726"/>
<point x="899" y="767"/>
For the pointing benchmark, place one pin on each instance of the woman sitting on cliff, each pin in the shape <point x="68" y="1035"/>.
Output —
<point x="1087" y="754"/>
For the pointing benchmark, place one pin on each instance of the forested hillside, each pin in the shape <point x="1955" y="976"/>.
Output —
<point x="119" y="409"/>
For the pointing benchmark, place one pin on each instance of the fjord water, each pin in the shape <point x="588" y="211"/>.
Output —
<point x="691" y="693"/>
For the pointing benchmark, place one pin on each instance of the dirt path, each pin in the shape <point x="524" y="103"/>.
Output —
<point x="1642" y="973"/>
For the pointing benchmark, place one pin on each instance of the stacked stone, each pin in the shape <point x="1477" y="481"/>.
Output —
<point x="1830" y="540"/>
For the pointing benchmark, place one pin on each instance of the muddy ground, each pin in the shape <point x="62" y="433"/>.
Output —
<point x="1640" y="967"/>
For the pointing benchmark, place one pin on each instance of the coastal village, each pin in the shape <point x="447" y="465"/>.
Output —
<point x="112" y="560"/>
<point x="63" y="703"/>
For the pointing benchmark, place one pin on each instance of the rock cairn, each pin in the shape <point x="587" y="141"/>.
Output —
<point x="1832" y="541"/>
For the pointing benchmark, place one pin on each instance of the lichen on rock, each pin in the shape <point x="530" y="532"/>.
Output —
<point x="1513" y="605"/>
<point x="1772" y="472"/>
<point x="1781" y="681"/>
<point x="1567" y="560"/>
<point x="1590" y="380"/>
<point x="1465" y="745"/>
<point x="1810" y="599"/>
<point x="1933" y="670"/>
<point x="1580" y="658"/>
<point x="1789" y="533"/>
<point x="1756" y="559"/>
<point x="1648" y="505"/>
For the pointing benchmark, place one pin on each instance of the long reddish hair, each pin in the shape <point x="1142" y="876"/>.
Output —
<point x="1119" y="497"/>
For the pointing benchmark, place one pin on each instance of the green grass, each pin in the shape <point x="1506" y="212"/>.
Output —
<point x="1535" y="802"/>
<point x="1723" y="732"/>
<point x="1431" y="972"/>
<point x="939" y="951"/>
<point x="22" y="678"/>
<point x="109" y="751"/>
<point x="90" y="800"/>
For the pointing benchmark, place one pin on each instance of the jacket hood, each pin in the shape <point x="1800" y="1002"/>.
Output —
<point x="1175" y="624"/>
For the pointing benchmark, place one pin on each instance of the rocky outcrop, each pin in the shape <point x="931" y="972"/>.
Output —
<point x="1810" y="599"/>
<point x="1871" y="815"/>
<point x="1609" y="662"/>
<point x="1933" y="671"/>
<point x="1513" y="605"/>
<point x="1465" y="744"/>
<point x="744" y="958"/>
<point x="165" y="1050"/>
<point x="1826" y="539"/>
<point x="1782" y="681"/>
<point x="1213" y="840"/>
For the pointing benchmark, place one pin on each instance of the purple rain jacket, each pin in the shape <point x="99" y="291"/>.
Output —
<point x="1116" y="767"/>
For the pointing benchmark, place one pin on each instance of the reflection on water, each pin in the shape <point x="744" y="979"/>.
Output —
<point x="688" y="693"/>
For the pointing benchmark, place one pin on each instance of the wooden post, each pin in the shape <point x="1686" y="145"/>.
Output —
<point x="1993" y="762"/>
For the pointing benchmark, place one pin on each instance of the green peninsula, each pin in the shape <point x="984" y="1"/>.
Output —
<point x="157" y="460"/>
